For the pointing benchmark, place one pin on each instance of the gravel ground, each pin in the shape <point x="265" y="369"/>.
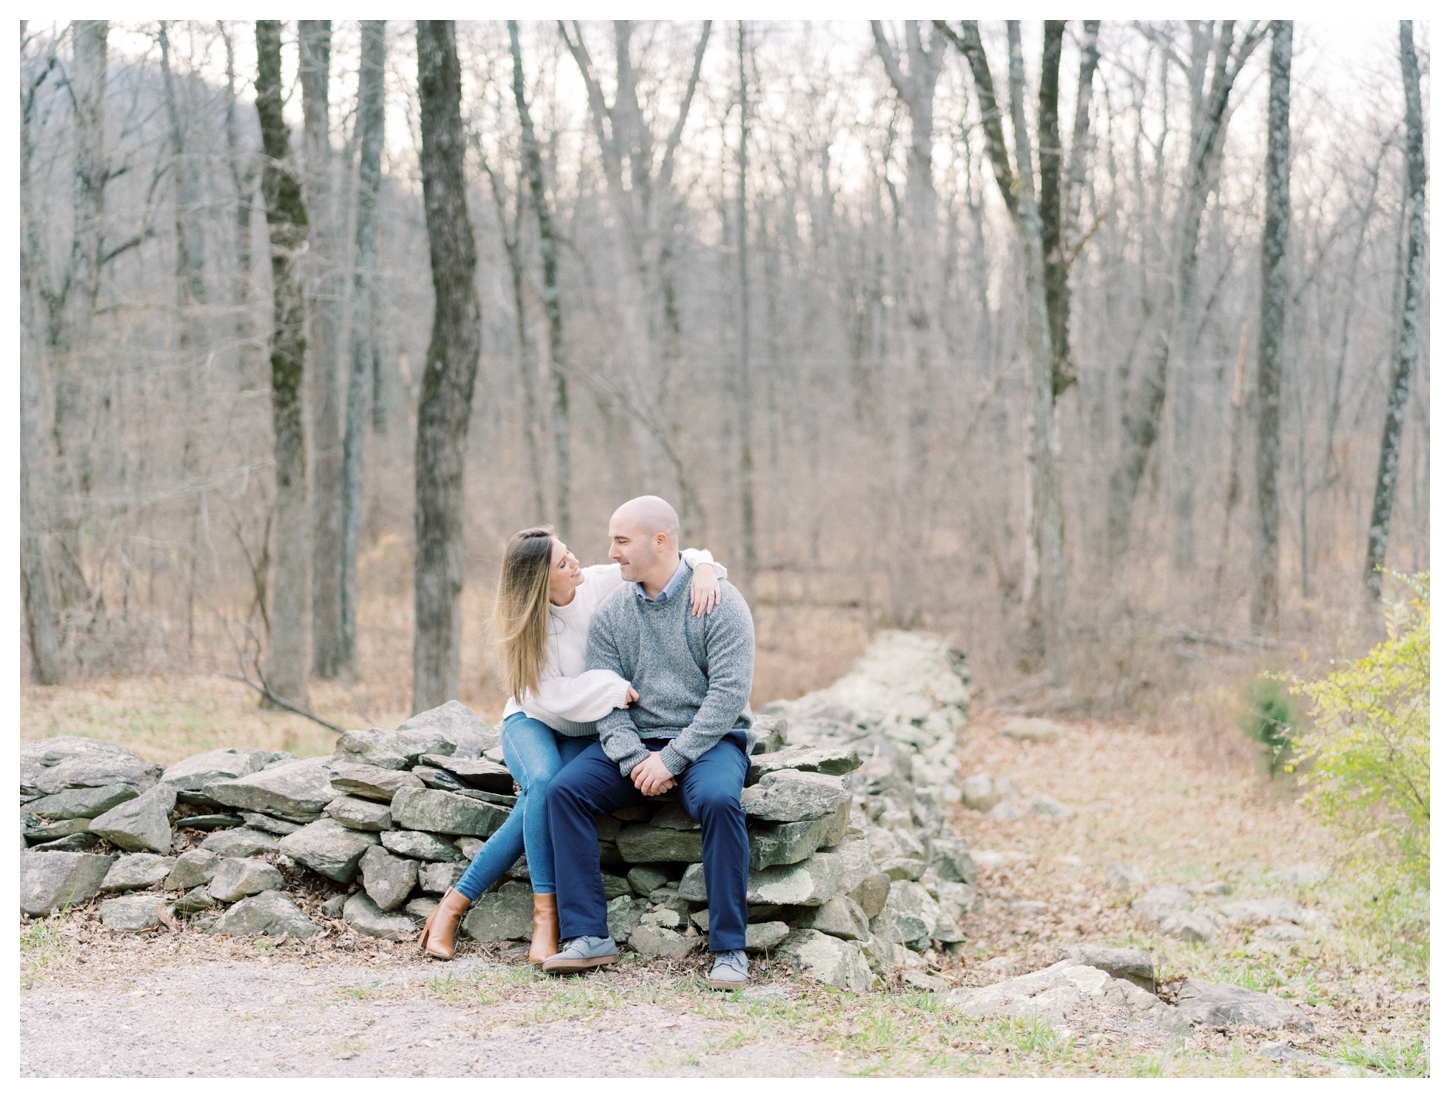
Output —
<point x="278" y="1018"/>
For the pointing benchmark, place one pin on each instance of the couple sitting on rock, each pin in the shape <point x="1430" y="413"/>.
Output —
<point x="628" y="680"/>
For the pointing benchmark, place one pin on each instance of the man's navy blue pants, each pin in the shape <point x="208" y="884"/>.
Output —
<point x="709" y="790"/>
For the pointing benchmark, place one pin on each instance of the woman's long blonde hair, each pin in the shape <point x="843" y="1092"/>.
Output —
<point x="521" y="611"/>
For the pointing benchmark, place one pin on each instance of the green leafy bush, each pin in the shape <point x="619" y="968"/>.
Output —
<point x="1270" y="720"/>
<point x="1366" y="761"/>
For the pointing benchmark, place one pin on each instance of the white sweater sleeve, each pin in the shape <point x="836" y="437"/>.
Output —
<point x="696" y="557"/>
<point x="580" y="699"/>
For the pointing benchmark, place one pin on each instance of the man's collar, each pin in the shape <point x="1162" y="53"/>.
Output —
<point x="678" y="578"/>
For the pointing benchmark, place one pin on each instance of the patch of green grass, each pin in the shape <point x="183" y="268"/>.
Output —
<point x="41" y="944"/>
<point x="362" y="992"/>
<point x="1408" y="1058"/>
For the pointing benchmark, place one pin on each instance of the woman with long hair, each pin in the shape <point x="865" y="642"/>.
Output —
<point x="541" y="618"/>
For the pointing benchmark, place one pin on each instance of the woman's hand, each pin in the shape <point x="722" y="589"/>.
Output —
<point x="631" y="695"/>
<point x="704" y="590"/>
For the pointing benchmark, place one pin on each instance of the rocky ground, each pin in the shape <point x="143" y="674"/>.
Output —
<point x="1083" y="835"/>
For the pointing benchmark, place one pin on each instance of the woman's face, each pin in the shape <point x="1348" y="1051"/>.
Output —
<point x="564" y="575"/>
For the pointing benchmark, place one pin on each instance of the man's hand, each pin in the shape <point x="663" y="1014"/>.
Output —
<point x="652" y="777"/>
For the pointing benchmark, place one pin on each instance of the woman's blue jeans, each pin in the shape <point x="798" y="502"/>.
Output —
<point x="534" y="753"/>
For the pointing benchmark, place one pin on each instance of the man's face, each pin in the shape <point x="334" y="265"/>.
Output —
<point x="636" y="552"/>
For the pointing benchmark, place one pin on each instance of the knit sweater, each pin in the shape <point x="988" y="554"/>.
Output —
<point x="693" y="674"/>
<point x="569" y="698"/>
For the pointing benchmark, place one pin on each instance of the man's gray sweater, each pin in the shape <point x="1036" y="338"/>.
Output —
<point x="692" y="674"/>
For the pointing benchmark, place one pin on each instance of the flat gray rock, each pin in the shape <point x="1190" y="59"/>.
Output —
<point x="640" y="842"/>
<point x="391" y="750"/>
<point x="468" y="731"/>
<point x="762" y="937"/>
<point x="420" y="845"/>
<point x="672" y="817"/>
<point x="788" y="843"/>
<point x="980" y="793"/>
<point x="137" y="871"/>
<point x="193" y="869"/>
<point x="358" y="813"/>
<point x="140" y="824"/>
<point x="659" y="941"/>
<point x="131" y="913"/>
<point x="328" y="848"/>
<point x="1133" y="965"/>
<point x="1282" y="932"/>
<point x="196" y="899"/>
<point x="951" y="860"/>
<point x="59" y="830"/>
<point x="439" y="877"/>
<point x="387" y="879"/>
<point x="1043" y="805"/>
<point x="808" y="883"/>
<point x="241" y="842"/>
<point x="419" y="908"/>
<point x="237" y="878"/>
<point x="333" y="905"/>
<point x="375" y="783"/>
<point x="86" y="803"/>
<point x="1122" y="875"/>
<point x="1007" y="812"/>
<point x="211" y="821"/>
<point x="74" y="762"/>
<point x="644" y="879"/>
<point x="909" y="915"/>
<point x="505" y="915"/>
<point x="260" y="821"/>
<point x="1160" y="900"/>
<point x="792" y="795"/>
<point x="478" y="773"/>
<point x="1191" y="926"/>
<point x="295" y="789"/>
<point x="624" y="914"/>
<point x="615" y="886"/>
<point x="1205" y="1004"/>
<point x="840" y="917"/>
<point x="79" y="841"/>
<point x="815" y="760"/>
<point x="856" y="863"/>
<point x="826" y="960"/>
<point x="193" y="774"/>
<point x="266" y="913"/>
<point x="54" y="880"/>
<point x="1069" y="996"/>
<point x="446" y="813"/>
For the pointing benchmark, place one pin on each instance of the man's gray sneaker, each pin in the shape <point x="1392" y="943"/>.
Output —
<point x="583" y="952"/>
<point x="730" y="971"/>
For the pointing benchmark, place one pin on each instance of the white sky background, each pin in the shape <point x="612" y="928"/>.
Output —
<point x="1336" y="62"/>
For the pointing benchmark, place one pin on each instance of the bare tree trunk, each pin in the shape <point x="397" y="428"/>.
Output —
<point x="288" y="656"/>
<point x="1141" y="418"/>
<point x="749" y="554"/>
<point x="1273" y="297"/>
<point x="1407" y="353"/>
<point x="244" y="175"/>
<point x="1082" y="136"/>
<point x="1049" y="160"/>
<point x="72" y="307"/>
<point x="370" y="123"/>
<point x="448" y="372"/>
<point x="549" y="253"/>
<point x="325" y="293"/>
<point x="1235" y="453"/>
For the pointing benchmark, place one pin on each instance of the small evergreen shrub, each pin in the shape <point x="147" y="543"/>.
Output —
<point x="1270" y="720"/>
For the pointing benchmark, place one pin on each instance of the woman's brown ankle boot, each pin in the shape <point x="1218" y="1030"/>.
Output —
<point x="546" y="928"/>
<point x="441" y="926"/>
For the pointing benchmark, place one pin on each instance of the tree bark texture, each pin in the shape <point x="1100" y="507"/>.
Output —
<point x="1143" y="412"/>
<point x="370" y="124"/>
<point x="448" y="373"/>
<point x="1273" y="300"/>
<point x="749" y="555"/>
<point x="549" y="255"/>
<point x="1049" y="161"/>
<point x="324" y="304"/>
<point x="244" y="176"/>
<point x="288" y="654"/>
<point x="1407" y="351"/>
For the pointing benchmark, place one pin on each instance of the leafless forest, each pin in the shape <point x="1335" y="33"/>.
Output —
<point x="1087" y="345"/>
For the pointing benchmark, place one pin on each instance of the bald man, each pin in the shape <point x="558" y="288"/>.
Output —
<point x="690" y="730"/>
